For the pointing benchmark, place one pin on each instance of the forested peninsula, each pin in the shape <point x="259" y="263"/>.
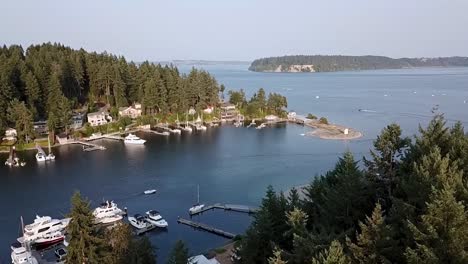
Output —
<point x="332" y="63"/>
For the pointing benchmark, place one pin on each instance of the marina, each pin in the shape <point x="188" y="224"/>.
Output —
<point x="230" y="164"/>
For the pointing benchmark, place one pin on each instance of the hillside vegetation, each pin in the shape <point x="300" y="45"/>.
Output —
<point x="333" y="63"/>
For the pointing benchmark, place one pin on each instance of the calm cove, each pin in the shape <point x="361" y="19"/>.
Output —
<point x="231" y="165"/>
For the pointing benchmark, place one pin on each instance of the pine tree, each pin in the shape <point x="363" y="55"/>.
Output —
<point x="21" y="116"/>
<point x="333" y="255"/>
<point x="141" y="252"/>
<point x="383" y="166"/>
<point x="374" y="241"/>
<point x="179" y="254"/>
<point x="85" y="245"/>
<point x="442" y="234"/>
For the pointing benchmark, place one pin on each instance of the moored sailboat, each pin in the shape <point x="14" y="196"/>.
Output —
<point x="197" y="207"/>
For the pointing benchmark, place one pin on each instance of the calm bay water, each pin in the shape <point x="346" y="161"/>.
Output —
<point x="231" y="165"/>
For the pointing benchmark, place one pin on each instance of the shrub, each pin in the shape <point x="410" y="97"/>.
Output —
<point x="323" y="120"/>
<point x="311" y="116"/>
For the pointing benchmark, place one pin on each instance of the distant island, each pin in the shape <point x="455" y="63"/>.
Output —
<point x="332" y="63"/>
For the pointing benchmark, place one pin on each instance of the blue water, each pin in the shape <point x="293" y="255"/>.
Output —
<point x="231" y="165"/>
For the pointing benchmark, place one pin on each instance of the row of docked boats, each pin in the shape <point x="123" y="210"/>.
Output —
<point x="152" y="218"/>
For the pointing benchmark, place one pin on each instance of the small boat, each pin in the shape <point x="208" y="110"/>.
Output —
<point x="138" y="221"/>
<point x="40" y="156"/>
<point x="197" y="207"/>
<point x="132" y="139"/>
<point x="187" y="128"/>
<point x="200" y="127"/>
<point x="176" y="131"/>
<point x="150" y="191"/>
<point x="156" y="219"/>
<point x="261" y="126"/>
<point x="20" y="255"/>
<point x="51" y="155"/>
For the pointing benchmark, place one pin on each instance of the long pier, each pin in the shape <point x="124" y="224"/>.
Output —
<point x="206" y="227"/>
<point x="228" y="207"/>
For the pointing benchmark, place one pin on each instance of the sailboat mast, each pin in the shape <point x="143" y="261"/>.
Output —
<point x="22" y="225"/>
<point x="198" y="193"/>
<point x="48" y="140"/>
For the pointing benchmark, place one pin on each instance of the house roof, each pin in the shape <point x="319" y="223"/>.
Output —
<point x="96" y="114"/>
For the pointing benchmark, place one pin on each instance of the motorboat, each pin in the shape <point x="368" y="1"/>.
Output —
<point x="156" y="219"/>
<point x="132" y="139"/>
<point x="152" y="191"/>
<point x="201" y="127"/>
<point x="187" y="128"/>
<point x="42" y="225"/>
<point x="20" y="255"/>
<point x="197" y="207"/>
<point x="40" y="156"/>
<point x="261" y="126"/>
<point x="49" y="239"/>
<point x="107" y="212"/>
<point x="176" y="131"/>
<point x="138" y="221"/>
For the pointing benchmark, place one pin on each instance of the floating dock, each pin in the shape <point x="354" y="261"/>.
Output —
<point x="206" y="227"/>
<point x="228" y="207"/>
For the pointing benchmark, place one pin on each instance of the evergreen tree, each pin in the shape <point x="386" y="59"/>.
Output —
<point x="85" y="245"/>
<point x="179" y="254"/>
<point x="382" y="169"/>
<point x="374" y="242"/>
<point x="333" y="255"/>
<point x="20" y="115"/>
<point x="276" y="258"/>
<point x="141" y="252"/>
<point x="442" y="234"/>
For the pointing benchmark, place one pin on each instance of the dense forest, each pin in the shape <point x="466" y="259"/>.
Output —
<point x="48" y="81"/>
<point x="407" y="204"/>
<point x="348" y="63"/>
<point x="259" y="104"/>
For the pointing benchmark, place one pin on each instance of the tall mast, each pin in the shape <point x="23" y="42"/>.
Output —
<point x="48" y="140"/>
<point x="198" y="193"/>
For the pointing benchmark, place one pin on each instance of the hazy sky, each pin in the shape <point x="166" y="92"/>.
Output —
<point x="241" y="29"/>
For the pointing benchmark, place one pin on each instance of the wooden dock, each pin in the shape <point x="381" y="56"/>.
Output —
<point x="88" y="146"/>
<point x="206" y="227"/>
<point x="228" y="207"/>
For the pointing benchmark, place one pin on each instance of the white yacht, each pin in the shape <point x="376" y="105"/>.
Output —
<point x="132" y="139"/>
<point x="152" y="191"/>
<point x="42" y="225"/>
<point x="20" y="255"/>
<point x="197" y="207"/>
<point x="138" y="221"/>
<point x="156" y="219"/>
<point x="107" y="213"/>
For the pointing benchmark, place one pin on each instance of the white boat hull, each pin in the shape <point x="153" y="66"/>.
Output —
<point x="159" y="223"/>
<point x="135" y="142"/>
<point x="196" y="209"/>
<point x="149" y="191"/>
<point x="109" y="219"/>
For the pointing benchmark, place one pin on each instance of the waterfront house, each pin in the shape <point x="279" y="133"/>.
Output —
<point x="201" y="259"/>
<point x="10" y="134"/>
<point x="208" y="110"/>
<point x="99" y="118"/>
<point x="133" y="111"/>
<point x="271" y="118"/>
<point x="40" y="127"/>
<point x="292" y="115"/>
<point x="228" y="112"/>
<point x="77" y="121"/>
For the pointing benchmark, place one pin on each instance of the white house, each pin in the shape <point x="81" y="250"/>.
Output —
<point x="200" y="259"/>
<point x="292" y="115"/>
<point x="271" y="118"/>
<point x="99" y="118"/>
<point x="10" y="134"/>
<point x="133" y="111"/>
<point x="208" y="110"/>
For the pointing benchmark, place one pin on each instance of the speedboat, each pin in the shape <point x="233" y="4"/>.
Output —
<point x="132" y="139"/>
<point x="156" y="219"/>
<point x="50" y="157"/>
<point x="107" y="213"/>
<point x="150" y="191"/>
<point x="138" y="221"/>
<point x="49" y="239"/>
<point x="42" y="225"/>
<point x="19" y="255"/>
<point x="40" y="156"/>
